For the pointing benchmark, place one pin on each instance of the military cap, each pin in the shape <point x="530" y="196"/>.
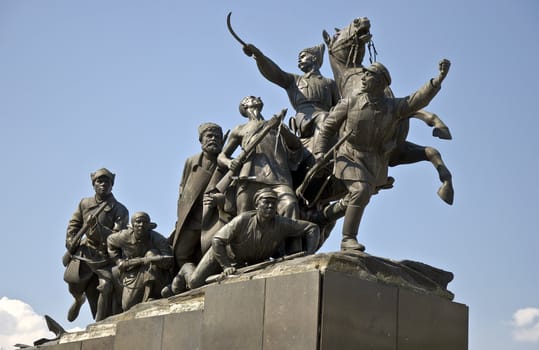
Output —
<point x="207" y="127"/>
<point x="266" y="192"/>
<point x="145" y="215"/>
<point x="318" y="52"/>
<point x="380" y="70"/>
<point x="102" y="172"/>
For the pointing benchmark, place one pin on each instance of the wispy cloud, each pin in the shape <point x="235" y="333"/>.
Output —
<point x="526" y="325"/>
<point x="20" y="324"/>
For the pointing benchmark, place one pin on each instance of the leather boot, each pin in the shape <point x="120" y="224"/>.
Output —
<point x="350" y="228"/>
<point x="330" y="213"/>
<point x="186" y="272"/>
<point x="166" y="292"/>
<point x="179" y="283"/>
<point x="351" y="243"/>
<point x="74" y="310"/>
<point x="334" y="211"/>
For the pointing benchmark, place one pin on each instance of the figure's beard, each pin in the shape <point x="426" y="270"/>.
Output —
<point x="212" y="148"/>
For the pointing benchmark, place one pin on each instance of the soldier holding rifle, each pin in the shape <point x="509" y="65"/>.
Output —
<point x="143" y="258"/>
<point x="88" y="268"/>
<point x="268" y="164"/>
<point x="250" y="238"/>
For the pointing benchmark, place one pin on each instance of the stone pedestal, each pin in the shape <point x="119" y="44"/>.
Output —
<point x="319" y="302"/>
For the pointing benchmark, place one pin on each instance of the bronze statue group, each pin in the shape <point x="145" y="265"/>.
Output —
<point x="282" y="193"/>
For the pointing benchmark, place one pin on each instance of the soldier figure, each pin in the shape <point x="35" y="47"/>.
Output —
<point x="250" y="238"/>
<point x="361" y="162"/>
<point x="143" y="258"/>
<point x="269" y="166"/>
<point x="311" y="94"/>
<point x="88" y="271"/>
<point x="200" y="173"/>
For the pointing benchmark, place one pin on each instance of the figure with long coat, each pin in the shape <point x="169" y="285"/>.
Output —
<point x="200" y="173"/>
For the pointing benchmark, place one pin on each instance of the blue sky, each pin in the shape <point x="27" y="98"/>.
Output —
<point x="124" y="84"/>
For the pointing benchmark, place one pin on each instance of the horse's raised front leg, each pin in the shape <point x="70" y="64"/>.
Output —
<point x="412" y="153"/>
<point x="440" y="129"/>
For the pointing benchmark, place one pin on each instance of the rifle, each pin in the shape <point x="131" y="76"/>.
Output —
<point x="246" y="153"/>
<point x="322" y="162"/>
<point x="75" y="243"/>
<point x="146" y="260"/>
<point x="220" y="277"/>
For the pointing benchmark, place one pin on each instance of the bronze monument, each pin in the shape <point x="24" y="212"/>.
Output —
<point x="276" y="199"/>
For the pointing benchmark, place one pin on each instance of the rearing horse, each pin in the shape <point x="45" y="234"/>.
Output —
<point x="346" y="49"/>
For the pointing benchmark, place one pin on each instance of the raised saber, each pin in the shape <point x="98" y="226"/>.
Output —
<point x="232" y="30"/>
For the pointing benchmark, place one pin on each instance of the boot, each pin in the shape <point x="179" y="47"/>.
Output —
<point x="351" y="243"/>
<point x="74" y="310"/>
<point x="185" y="272"/>
<point x="335" y="211"/>
<point x="328" y="214"/>
<point x="179" y="283"/>
<point x="177" y="286"/>
<point x="166" y="292"/>
<point x="102" y="305"/>
<point x="350" y="228"/>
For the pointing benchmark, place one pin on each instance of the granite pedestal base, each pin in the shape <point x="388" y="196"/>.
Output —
<point x="317" y="309"/>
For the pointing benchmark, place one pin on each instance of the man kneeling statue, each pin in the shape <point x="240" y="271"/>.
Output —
<point x="143" y="260"/>
<point x="249" y="238"/>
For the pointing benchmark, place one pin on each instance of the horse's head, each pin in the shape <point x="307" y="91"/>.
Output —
<point x="347" y="45"/>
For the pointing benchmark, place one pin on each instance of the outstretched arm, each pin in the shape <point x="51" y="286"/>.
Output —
<point x="269" y="69"/>
<point x="444" y="69"/>
<point x="425" y="94"/>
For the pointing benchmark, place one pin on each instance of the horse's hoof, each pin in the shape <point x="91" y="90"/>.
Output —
<point x="389" y="183"/>
<point x="442" y="133"/>
<point x="446" y="193"/>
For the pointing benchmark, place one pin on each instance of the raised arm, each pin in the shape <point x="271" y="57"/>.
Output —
<point x="422" y="97"/>
<point x="269" y="69"/>
<point x="443" y="67"/>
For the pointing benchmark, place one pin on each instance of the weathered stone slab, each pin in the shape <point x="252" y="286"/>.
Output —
<point x="357" y="314"/>
<point x="98" y="343"/>
<point x="431" y="322"/>
<point x="233" y="316"/>
<point x="414" y="276"/>
<point x="182" y="330"/>
<point x="66" y="346"/>
<point x="291" y="312"/>
<point x="143" y="333"/>
<point x="325" y="301"/>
